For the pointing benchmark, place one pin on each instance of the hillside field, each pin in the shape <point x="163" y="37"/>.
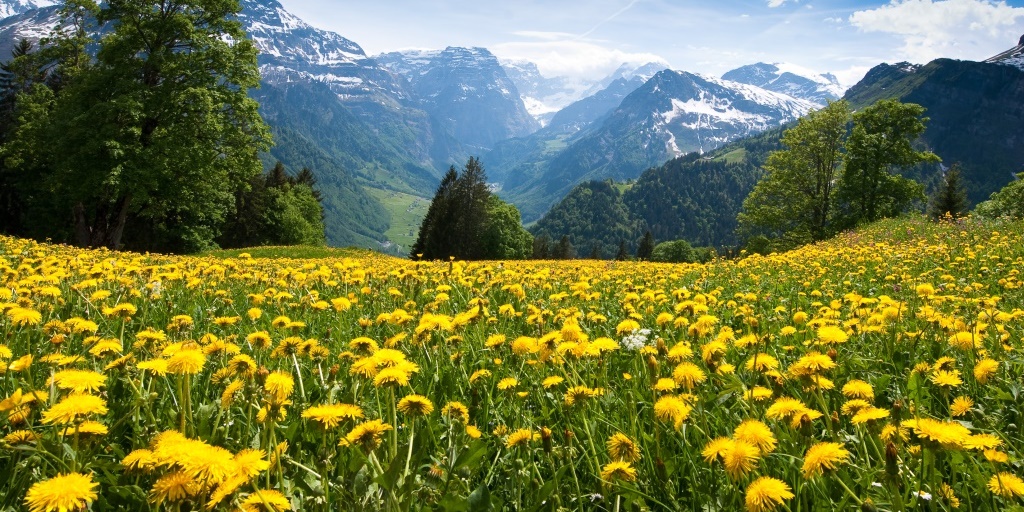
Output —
<point x="880" y="370"/>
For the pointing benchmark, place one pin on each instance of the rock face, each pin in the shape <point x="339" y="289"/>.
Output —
<point x="789" y="79"/>
<point x="468" y="92"/>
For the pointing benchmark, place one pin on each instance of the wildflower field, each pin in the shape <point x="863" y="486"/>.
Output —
<point x="880" y="370"/>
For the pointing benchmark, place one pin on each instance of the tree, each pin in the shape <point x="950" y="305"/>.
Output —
<point x="675" y="251"/>
<point x="466" y="221"/>
<point x="504" y="237"/>
<point x="541" y="247"/>
<point x="157" y="131"/>
<point x="794" y="200"/>
<point x="879" y="146"/>
<point x="623" y="253"/>
<point x="646" y="247"/>
<point x="951" y="197"/>
<point x="1007" y="202"/>
<point x="436" y="228"/>
<point x="564" y="249"/>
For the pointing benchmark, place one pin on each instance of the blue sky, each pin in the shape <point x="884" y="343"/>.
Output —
<point x="589" y="38"/>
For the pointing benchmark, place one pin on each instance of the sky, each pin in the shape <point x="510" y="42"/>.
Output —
<point x="590" y="38"/>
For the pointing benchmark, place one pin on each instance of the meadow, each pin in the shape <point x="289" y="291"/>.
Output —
<point x="881" y="370"/>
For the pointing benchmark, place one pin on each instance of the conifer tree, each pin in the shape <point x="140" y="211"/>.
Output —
<point x="564" y="250"/>
<point x="646" y="247"/>
<point x="951" y="197"/>
<point x="623" y="253"/>
<point x="541" y="247"/>
<point x="434" y="233"/>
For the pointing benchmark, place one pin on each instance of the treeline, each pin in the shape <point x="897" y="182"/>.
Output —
<point x="131" y="128"/>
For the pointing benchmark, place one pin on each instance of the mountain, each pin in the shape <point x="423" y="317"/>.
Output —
<point x="693" y="197"/>
<point x="789" y="79"/>
<point x="467" y="92"/>
<point x="672" y="114"/>
<point x="974" y="110"/>
<point x="543" y="96"/>
<point x="13" y="7"/>
<point x="1013" y="57"/>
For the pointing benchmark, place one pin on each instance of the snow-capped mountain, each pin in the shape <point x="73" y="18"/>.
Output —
<point x="673" y="113"/>
<point x="545" y="96"/>
<point x="1012" y="57"/>
<point x="13" y="7"/>
<point x="789" y="79"/>
<point x="467" y="91"/>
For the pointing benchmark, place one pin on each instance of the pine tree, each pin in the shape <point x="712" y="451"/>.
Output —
<point x="951" y="197"/>
<point x="646" y="248"/>
<point x="564" y="250"/>
<point x="623" y="253"/>
<point x="595" y="251"/>
<point x="429" y="243"/>
<point x="541" y="247"/>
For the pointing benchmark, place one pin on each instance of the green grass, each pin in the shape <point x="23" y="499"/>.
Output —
<point x="732" y="157"/>
<point x="407" y="212"/>
<point x="293" y="252"/>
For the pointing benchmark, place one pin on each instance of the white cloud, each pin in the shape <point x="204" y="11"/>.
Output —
<point x="573" y="58"/>
<point x="963" y="29"/>
<point x="776" y="3"/>
<point x="850" y="76"/>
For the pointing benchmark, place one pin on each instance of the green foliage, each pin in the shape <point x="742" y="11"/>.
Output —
<point x="646" y="247"/>
<point x="879" y="146"/>
<point x="467" y="222"/>
<point x="504" y="237"/>
<point x="794" y="200"/>
<point x="1008" y="202"/>
<point x="593" y="216"/>
<point x="675" y="251"/>
<point x="148" y="142"/>
<point x="276" y="209"/>
<point x="829" y="178"/>
<point x="951" y="197"/>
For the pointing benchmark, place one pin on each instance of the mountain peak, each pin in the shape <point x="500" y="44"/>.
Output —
<point x="791" y="79"/>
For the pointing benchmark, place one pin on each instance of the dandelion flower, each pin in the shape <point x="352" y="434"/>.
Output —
<point x="688" y="375"/>
<point x="73" y="491"/>
<point x="552" y="381"/>
<point x="867" y="414"/>
<point x="672" y="408"/>
<point x="367" y="435"/>
<point x="757" y="434"/>
<point x="766" y="493"/>
<point x="508" y="383"/>
<point x="961" y="405"/>
<point x="79" y="381"/>
<point x="622" y="448"/>
<point x="618" y="470"/>
<point x="985" y="369"/>
<point x="280" y="385"/>
<point x="415" y="405"/>
<point x="266" y="501"/>
<point x="391" y="376"/>
<point x="946" y="379"/>
<point x="740" y="458"/>
<point x="858" y="389"/>
<point x="521" y="437"/>
<point x="1006" y="485"/>
<point x="831" y="335"/>
<point x="456" y="411"/>
<point x="72" y="408"/>
<point x="824" y="457"/>
<point x="330" y="415"/>
<point x="186" y="362"/>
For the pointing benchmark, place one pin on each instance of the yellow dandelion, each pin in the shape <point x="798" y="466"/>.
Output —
<point x="415" y="405"/>
<point x="757" y="434"/>
<point x="618" y="470"/>
<point x="456" y="411"/>
<point x="1006" y="485"/>
<point x="622" y="448"/>
<point x="78" y="381"/>
<point x="266" y="501"/>
<point x="366" y="435"/>
<point x="824" y="457"/>
<point x="858" y="389"/>
<point x="961" y="406"/>
<point x="767" y="493"/>
<point x="831" y="335"/>
<point x="985" y="369"/>
<point x="740" y="458"/>
<point x="63" y="493"/>
<point x="508" y="383"/>
<point x="73" y="408"/>
<point x="521" y="437"/>
<point x="552" y="381"/>
<point x="672" y="408"/>
<point x="330" y="415"/>
<point x="186" y="362"/>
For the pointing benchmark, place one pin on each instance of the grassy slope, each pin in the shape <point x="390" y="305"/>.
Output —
<point x="407" y="211"/>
